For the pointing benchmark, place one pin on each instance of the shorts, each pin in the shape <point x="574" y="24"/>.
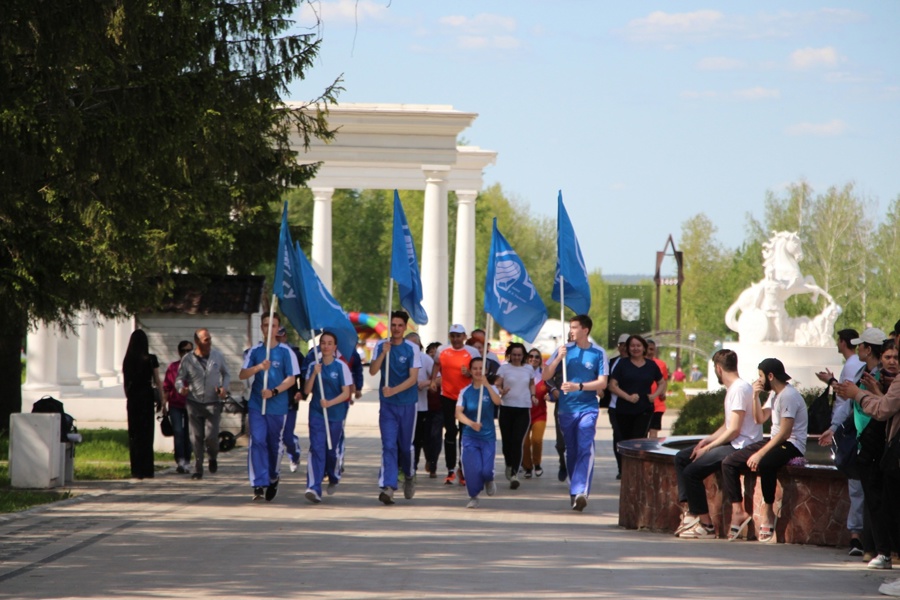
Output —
<point x="656" y="421"/>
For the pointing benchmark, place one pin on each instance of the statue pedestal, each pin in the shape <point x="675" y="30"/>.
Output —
<point x="801" y="362"/>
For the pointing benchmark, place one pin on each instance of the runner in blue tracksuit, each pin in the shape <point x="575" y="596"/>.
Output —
<point x="336" y="382"/>
<point x="397" y="415"/>
<point x="586" y="374"/>
<point x="266" y="430"/>
<point x="479" y="439"/>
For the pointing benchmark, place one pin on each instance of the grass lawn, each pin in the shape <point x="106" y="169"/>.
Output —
<point x="103" y="455"/>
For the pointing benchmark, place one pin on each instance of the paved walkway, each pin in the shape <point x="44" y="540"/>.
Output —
<point x="175" y="538"/>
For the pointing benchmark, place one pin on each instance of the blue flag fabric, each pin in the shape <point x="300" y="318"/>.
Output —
<point x="287" y="282"/>
<point x="509" y="295"/>
<point x="570" y="265"/>
<point x="405" y="266"/>
<point x="323" y="310"/>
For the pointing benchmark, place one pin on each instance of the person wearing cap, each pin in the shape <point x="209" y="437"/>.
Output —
<point x="398" y="395"/>
<point x="451" y="369"/>
<point x="586" y="373"/>
<point x="787" y="440"/>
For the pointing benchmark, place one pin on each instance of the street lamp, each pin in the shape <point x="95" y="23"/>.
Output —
<point x="692" y="338"/>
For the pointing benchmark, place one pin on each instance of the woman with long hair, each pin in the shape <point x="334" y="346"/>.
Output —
<point x="515" y="380"/>
<point x="534" y="439"/>
<point x="140" y="370"/>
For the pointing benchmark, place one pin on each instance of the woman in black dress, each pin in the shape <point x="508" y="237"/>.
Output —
<point x="631" y="381"/>
<point x="141" y="371"/>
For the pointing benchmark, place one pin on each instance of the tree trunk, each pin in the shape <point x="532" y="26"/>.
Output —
<point x="12" y="334"/>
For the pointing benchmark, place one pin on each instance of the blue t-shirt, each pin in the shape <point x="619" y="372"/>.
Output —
<point x="404" y="356"/>
<point x="283" y="365"/>
<point x="334" y="377"/>
<point x="583" y="365"/>
<point x="468" y="399"/>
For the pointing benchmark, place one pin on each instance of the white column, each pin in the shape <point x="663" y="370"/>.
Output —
<point x="435" y="255"/>
<point x="87" y="348"/>
<point x="123" y="329"/>
<point x="66" y="357"/>
<point x="321" y="242"/>
<point x="464" y="263"/>
<point x="40" y="358"/>
<point x="106" y="344"/>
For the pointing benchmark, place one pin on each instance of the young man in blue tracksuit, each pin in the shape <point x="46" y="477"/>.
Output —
<point x="586" y="375"/>
<point x="267" y="427"/>
<point x="329" y="383"/>
<point x="399" y="394"/>
<point x="478" y="448"/>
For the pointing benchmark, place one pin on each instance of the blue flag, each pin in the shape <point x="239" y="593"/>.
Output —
<point x="570" y="265"/>
<point x="509" y="294"/>
<point x="323" y="310"/>
<point x="287" y="284"/>
<point x="405" y="267"/>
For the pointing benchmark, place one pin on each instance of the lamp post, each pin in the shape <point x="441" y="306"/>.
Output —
<point x="692" y="338"/>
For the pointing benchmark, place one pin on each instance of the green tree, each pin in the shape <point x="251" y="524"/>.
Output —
<point x="135" y="140"/>
<point x="884" y="306"/>
<point x="706" y="264"/>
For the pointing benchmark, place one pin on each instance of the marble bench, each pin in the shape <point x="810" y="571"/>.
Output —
<point x="811" y="501"/>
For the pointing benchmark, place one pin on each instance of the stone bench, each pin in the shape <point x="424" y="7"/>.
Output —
<point x="811" y="501"/>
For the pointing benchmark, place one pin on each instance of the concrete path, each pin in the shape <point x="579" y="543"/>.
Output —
<point x="171" y="537"/>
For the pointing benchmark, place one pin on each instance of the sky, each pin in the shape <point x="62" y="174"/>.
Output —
<point x="643" y="113"/>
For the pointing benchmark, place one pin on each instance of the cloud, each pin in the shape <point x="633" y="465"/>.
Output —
<point x="828" y="129"/>
<point x="720" y="63"/>
<point x="660" y="26"/>
<point x="343" y="12"/>
<point x="749" y="94"/>
<point x="483" y="31"/>
<point x="808" y="58"/>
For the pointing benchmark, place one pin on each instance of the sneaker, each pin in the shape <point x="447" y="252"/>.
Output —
<point x="490" y="488"/>
<point x="258" y="492"/>
<point x="386" y="496"/>
<point x="867" y="556"/>
<point x="271" y="490"/>
<point x="856" y="548"/>
<point x="312" y="496"/>
<point x="432" y="474"/>
<point x="514" y="483"/>
<point x="538" y="471"/>
<point x="687" y="521"/>
<point x="451" y="477"/>
<point x="473" y="502"/>
<point x="580" y="502"/>
<point x="332" y="485"/>
<point x="294" y="466"/>
<point x="461" y="477"/>
<point x="880" y="562"/>
<point x="213" y="465"/>
<point x="562" y="475"/>
<point x="890" y="588"/>
<point x="180" y="469"/>
<point x="509" y="473"/>
<point x="527" y="473"/>
<point x="409" y="488"/>
<point x="698" y="531"/>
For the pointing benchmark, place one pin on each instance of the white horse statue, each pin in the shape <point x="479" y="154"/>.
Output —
<point x="763" y="317"/>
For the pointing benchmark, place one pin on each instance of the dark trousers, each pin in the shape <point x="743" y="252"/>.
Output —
<point x="514" y="425"/>
<point x="140" y="434"/>
<point x="617" y="437"/>
<point x="428" y="438"/>
<point x="767" y="470"/>
<point x="691" y="474"/>
<point x="891" y="501"/>
<point x="633" y="427"/>
<point x="451" y="431"/>
<point x="878" y="519"/>
<point x="560" y="440"/>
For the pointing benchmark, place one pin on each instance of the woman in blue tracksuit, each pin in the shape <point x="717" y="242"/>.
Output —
<point x="479" y="439"/>
<point x="336" y="382"/>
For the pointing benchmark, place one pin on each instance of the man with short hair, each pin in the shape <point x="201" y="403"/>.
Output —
<point x="398" y="396"/>
<point x="622" y="347"/>
<point x="696" y="463"/>
<point x="586" y="374"/>
<point x="204" y="379"/>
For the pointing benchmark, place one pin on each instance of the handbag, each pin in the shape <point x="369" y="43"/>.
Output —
<point x="820" y="412"/>
<point x="165" y="425"/>
<point x="846" y="447"/>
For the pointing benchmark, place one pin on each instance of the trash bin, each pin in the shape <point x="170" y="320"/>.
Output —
<point x="37" y="458"/>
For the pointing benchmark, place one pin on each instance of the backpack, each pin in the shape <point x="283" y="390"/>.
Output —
<point x="819" y="413"/>
<point x="51" y="405"/>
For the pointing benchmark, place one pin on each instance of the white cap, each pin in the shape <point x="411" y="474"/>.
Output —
<point x="457" y="328"/>
<point x="872" y="336"/>
<point x="623" y="338"/>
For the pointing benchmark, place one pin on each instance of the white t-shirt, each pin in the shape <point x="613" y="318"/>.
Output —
<point x="740" y="397"/>
<point x="789" y="403"/>
<point x="852" y="371"/>
<point x="518" y="380"/>
<point x="424" y="375"/>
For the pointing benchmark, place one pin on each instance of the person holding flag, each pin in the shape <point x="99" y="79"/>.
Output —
<point x="275" y="364"/>
<point x="329" y="383"/>
<point x="398" y="394"/>
<point x="475" y="412"/>
<point x="586" y="368"/>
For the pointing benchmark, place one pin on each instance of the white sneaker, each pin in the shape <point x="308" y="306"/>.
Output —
<point x="294" y="466"/>
<point x="312" y="496"/>
<point x="880" y="562"/>
<point x="890" y="589"/>
<point x="687" y="521"/>
<point x="698" y="532"/>
<point x="514" y="482"/>
<point x="473" y="502"/>
<point x="490" y="487"/>
<point x="580" y="502"/>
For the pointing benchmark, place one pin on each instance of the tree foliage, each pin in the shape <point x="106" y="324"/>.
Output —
<point x="136" y="139"/>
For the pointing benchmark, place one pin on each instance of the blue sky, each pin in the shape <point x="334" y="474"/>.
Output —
<point x="643" y="113"/>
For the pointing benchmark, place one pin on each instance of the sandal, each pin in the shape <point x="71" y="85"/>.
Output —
<point x="767" y="533"/>
<point x="739" y="531"/>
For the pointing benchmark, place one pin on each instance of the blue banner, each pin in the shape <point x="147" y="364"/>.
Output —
<point x="570" y="265"/>
<point x="509" y="295"/>
<point x="287" y="285"/>
<point x="405" y="266"/>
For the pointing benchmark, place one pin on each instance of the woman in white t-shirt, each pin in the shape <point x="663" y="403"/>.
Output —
<point x="515" y="380"/>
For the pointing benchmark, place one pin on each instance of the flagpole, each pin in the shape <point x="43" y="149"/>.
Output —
<point x="487" y="346"/>
<point x="562" y="318"/>
<point x="390" y="307"/>
<point x="265" y="384"/>
<point x="322" y="390"/>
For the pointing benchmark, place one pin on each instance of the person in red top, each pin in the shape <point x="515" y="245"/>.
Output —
<point x="534" y="439"/>
<point x="451" y="368"/>
<point x="659" y="405"/>
<point x="175" y="410"/>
